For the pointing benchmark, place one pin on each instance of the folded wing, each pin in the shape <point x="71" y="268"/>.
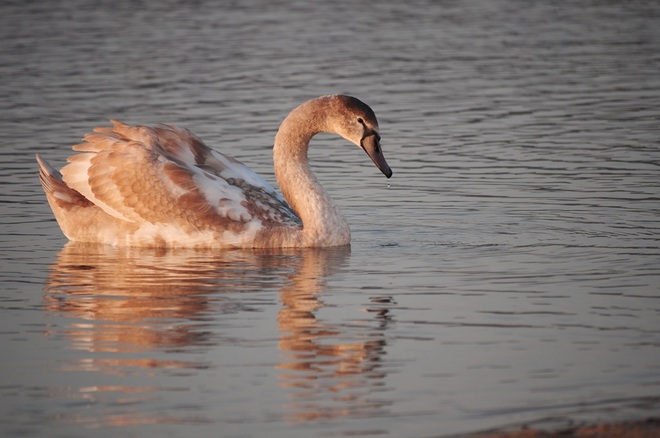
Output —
<point x="166" y="175"/>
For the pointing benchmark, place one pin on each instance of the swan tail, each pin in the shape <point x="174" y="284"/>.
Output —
<point x="62" y="198"/>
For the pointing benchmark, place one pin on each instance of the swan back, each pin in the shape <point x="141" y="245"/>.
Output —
<point x="165" y="187"/>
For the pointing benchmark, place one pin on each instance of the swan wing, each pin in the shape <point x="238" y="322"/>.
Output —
<point x="166" y="175"/>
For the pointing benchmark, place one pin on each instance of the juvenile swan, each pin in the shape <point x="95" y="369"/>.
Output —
<point x="163" y="187"/>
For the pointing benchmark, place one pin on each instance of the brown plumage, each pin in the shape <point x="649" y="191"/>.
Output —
<point x="162" y="186"/>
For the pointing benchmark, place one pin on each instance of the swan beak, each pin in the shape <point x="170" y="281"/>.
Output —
<point x="371" y="146"/>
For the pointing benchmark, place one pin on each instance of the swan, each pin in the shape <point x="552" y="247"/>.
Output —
<point x="140" y="186"/>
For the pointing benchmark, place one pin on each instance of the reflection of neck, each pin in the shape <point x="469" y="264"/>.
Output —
<point x="314" y="357"/>
<point x="322" y="221"/>
<point x="300" y="297"/>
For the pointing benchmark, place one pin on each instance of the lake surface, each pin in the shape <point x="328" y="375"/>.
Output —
<point x="508" y="273"/>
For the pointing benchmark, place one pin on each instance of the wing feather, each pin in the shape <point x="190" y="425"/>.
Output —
<point x="166" y="175"/>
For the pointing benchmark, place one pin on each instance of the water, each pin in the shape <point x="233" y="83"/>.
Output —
<point x="509" y="273"/>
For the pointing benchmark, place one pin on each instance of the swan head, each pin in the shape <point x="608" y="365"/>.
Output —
<point x="357" y="123"/>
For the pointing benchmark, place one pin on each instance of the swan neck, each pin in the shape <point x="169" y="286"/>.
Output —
<point x="321" y="218"/>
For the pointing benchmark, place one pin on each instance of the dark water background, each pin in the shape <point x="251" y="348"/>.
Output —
<point x="508" y="273"/>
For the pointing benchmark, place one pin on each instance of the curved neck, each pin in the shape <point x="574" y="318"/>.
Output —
<point x="321" y="218"/>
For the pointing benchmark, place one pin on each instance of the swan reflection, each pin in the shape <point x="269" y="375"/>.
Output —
<point x="329" y="373"/>
<point x="155" y="304"/>
<point x="123" y="298"/>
